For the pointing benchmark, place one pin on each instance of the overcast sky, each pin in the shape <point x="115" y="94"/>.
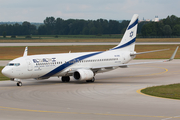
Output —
<point x="38" y="10"/>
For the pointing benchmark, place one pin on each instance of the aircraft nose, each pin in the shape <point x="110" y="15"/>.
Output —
<point x="6" y="71"/>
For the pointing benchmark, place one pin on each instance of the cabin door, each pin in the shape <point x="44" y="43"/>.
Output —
<point x="29" y="65"/>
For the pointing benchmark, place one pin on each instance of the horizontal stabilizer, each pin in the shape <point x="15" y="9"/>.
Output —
<point x="132" y="54"/>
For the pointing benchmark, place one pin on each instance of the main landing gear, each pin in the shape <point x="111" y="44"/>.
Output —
<point x="91" y="81"/>
<point x="19" y="84"/>
<point x="65" y="78"/>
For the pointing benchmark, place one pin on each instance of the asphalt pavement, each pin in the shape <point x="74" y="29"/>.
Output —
<point x="113" y="96"/>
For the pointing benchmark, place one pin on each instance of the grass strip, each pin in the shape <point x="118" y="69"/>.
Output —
<point x="76" y="39"/>
<point x="8" y="53"/>
<point x="2" y="77"/>
<point x="166" y="91"/>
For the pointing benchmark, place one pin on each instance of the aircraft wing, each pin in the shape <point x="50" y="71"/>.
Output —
<point x="97" y="68"/>
<point x="125" y="65"/>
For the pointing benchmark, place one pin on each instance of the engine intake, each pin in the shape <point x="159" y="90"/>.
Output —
<point x="83" y="74"/>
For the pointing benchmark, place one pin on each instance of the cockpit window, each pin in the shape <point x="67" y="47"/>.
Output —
<point x="17" y="64"/>
<point x="10" y="64"/>
<point x="13" y="64"/>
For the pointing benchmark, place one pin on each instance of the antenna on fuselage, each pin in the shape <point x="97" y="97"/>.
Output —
<point x="25" y="52"/>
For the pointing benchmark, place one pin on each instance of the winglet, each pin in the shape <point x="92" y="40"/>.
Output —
<point x="172" y="57"/>
<point x="25" y="52"/>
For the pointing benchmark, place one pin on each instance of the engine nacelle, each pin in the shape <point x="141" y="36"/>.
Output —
<point x="83" y="74"/>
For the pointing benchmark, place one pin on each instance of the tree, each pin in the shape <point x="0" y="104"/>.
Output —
<point x="85" y="31"/>
<point x="167" y="30"/>
<point x="17" y="29"/>
<point x="93" y="31"/>
<point x="26" y="28"/>
<point x="176" y="30"/>
<point x="159" y="27"/>
<point x="42" y="30"/>
<point x="149" y="30"/>
<point x="50" y="21"/>
<point x="50" y="24"/>
<point x="114" y="27"/>
<point x="59" y="26"/>
<point x="4" y="34"/>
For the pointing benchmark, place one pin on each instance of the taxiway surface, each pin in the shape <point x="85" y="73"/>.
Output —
<point x="113" y="96"/>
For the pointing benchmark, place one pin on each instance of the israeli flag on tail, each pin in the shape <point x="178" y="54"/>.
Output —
<point x="128" y="41"/>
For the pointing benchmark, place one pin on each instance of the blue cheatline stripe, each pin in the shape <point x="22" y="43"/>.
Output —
<point x="126" y="44"/>
<point x="132" y="25"/>
<point x="67" y="64"/>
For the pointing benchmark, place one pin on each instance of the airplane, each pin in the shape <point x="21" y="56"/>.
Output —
<point x="83" y="66"/>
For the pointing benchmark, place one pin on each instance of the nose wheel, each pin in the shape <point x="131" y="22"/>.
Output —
<point x="19" y="84"/>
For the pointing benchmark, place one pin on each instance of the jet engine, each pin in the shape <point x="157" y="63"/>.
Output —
<point x="83" y="74"/>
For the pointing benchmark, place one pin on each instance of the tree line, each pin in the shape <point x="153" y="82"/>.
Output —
<point x="26" y="28"/>
<point x="59" y="26"/>
<point x="166" y="27"/>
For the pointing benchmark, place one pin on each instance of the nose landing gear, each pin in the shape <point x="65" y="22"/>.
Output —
<point x="19" y="83"/>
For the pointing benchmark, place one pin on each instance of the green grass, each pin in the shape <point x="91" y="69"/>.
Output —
<point x="2" y="77"/>
<point x="166" y="91"/>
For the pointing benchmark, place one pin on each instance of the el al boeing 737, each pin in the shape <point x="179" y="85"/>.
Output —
<point x="83" y="66"/>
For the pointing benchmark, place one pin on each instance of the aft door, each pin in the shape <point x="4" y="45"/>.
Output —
<point x="29" y="65"/>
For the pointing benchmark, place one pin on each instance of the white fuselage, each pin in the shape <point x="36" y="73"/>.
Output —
<point x="47" y="65"/>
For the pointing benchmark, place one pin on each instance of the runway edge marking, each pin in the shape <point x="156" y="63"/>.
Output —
<point x="166" y="70"/>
